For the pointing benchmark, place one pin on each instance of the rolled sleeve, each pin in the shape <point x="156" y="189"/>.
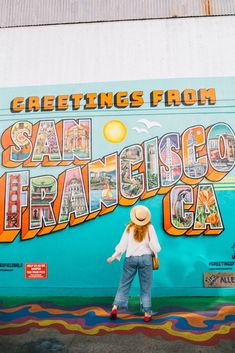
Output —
<point x="122" y="245"/>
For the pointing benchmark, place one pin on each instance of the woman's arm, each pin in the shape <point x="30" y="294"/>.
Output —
<point x="120" y="248"/>
<point x="113" y="257"/>
<point x="153" y="242"/>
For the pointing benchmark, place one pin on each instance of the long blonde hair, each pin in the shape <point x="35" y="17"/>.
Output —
<point x="139" y="231"/>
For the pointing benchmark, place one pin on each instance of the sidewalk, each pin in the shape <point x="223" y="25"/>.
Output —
<point x="74" y="325"/>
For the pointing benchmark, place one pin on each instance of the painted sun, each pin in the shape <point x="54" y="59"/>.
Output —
<point x="115" y="131"/>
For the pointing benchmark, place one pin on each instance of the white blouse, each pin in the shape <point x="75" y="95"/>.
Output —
<point x="149" y="245"/>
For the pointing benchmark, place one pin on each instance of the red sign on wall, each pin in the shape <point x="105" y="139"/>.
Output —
<point x="36" y="270"/>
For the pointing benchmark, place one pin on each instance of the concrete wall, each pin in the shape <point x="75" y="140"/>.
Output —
<point x="152" y="49"/>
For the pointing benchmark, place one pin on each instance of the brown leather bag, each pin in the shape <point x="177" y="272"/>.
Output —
<point x="155" y="260"/>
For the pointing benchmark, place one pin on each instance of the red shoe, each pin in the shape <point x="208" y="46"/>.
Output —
<point x="113" y="314"/>
<point x="147" y="318"/>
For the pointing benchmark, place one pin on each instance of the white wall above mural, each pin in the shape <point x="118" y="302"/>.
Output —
<point x="116" y="51"/>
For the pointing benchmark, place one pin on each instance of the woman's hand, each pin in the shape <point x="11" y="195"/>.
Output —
<point x="113" y="257"/>
<point x="110" y="259"/>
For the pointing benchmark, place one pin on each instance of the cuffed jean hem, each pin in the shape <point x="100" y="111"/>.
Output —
<point x="146" y="308"/>
<point x="120" y="304"/>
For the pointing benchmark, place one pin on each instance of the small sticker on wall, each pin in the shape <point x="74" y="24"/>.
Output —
<point x="36" y="270"/>
<point x="219" y="279"/>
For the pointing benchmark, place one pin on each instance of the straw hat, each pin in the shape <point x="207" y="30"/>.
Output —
<point x="140" y="215"/>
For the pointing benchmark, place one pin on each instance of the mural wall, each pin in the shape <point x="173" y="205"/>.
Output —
<point x="75" y="158"/>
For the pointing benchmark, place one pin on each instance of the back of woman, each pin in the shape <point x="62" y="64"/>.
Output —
<point x="139" y="241"/>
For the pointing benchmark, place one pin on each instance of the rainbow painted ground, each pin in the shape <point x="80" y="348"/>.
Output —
<point x="202" y="327"/>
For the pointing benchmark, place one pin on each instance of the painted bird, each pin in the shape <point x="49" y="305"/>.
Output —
<point x="140" y="130"/>
<point x="149" y="124"/>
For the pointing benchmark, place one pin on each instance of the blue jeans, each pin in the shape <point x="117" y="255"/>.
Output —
<point x="143" y="264"/>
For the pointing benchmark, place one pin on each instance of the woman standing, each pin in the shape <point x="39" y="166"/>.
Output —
<point x="140" y="241"/>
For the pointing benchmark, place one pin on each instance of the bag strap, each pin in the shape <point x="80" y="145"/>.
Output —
<point x="149" y="242"/>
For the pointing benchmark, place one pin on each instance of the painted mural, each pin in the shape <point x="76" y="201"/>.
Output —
<point x="69" y="159"/>
<point x="199" y="327"/>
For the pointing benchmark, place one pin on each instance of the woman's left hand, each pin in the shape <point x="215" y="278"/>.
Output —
<point x="110" y="259"/>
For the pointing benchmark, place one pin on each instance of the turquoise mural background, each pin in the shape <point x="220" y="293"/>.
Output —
<point x="76" y="256"/>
